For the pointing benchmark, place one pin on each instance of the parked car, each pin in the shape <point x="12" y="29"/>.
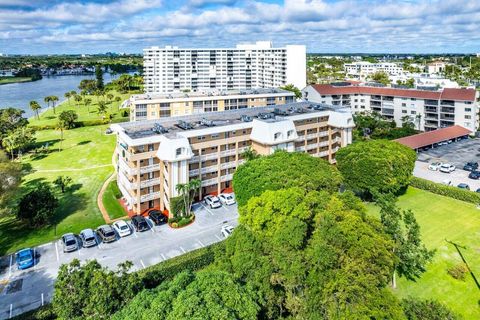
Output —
<point x="157" y="217"/>
<point x="227" y="230"/>
<point x="434" y="166"/>
<point x="442" y="143"/>
<point x="139" y="223"/>
<point x="213" y="202"/>
<point x="69" y="242"/>
<point x="447" y="182"/>
<point x="106" y="233"/>
<point x="25" y="258"/>
<point x="108" y="131"/>
<point x="478" y="190"/>
<point x="227" y="199"/>
<point x="474" y="175"/>
<point x="470" y="166"/>
<point x="122" y="228"/>
<point x="463" y="186"/>
<point x="447" y="168"/>
<point x="88" y="238"/>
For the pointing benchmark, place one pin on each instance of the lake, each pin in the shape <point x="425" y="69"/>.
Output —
<point x="19" y="95"/>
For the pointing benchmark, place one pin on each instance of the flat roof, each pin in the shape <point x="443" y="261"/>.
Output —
<point x="428" y="138"/>
<point x="445" y="94"/>
<point x="143" y="129"/>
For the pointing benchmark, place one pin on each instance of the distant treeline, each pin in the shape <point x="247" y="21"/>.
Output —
<point x="32" y="73"/>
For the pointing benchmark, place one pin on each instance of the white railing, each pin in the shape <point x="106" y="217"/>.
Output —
<point x="242" y="150"/>
<point x="149" y="182"/>
<point x="311" y="136"/>
<point x="209" y="182"/>
<point x="323" y="134"/>
<point x="227" y="165"/>
<point x="312" y="146"/>
<point x="193" y="172"/>
<point x="335" y="149"/>
<point x="124" y="166"/>
<point x="300" y="139"/>
<point x="150" y="196"/>
<point x="230" y="152"/>
<point x="323" y="143"/>
<point x="322" y="154"/>
<point x="302" y="148"/>
<point x="150" y="168"/>
<point x="226" y="177"/>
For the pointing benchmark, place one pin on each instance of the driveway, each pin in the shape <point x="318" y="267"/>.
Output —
<point x="456" y="177"/>
<point x="457" y="153"/>
<point x="24" y="290"/>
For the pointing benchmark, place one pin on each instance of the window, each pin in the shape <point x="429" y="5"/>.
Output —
<point x="178" y="152"/>
<point x="404" y="104"/>
<point x="289" y="133"/>
<point x="468" y="109"/>
<point x="404" y="111"/>
<point x="413" y="112"/>
<point x="468" y="117"/>
<point x="277" y="135"/>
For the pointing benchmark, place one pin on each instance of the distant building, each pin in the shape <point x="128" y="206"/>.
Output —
<point x="363" y="69"/>
<point x="427" y="109"/>
<point x="426" y="80"/>
<point x="156" y="106"/>
<point x="247" y="66"/>
<point x="436" y="67"/>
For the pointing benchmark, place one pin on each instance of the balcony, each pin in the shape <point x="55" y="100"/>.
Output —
<point x="150" y="168"/>
<point x="149" y="183"/>
<point x="150" y="196"/>
<point x="321" y="154"/>
<point x="209" y="182"/>
<point x="125" y="167"/>
<point x="300" y="149"/>
<point x="227" y="177"/>
<point x="312" y="146"/>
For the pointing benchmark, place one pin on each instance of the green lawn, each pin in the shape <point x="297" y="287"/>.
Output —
<point x="85" y="112"/>
<point x="110" y="201"/>
<point x="7" y="80"/>
<point x="443" y="218"/>
<point x="86" y="157"/>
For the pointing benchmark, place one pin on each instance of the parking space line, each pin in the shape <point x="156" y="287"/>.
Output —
<point x="135" y="234"/>
<point x="10" y="267"/>
<point x="143" y="264"/>
<point x="34" y="259"/>
<point x="56" y="250"/>
<point x="42" y="299"/>
<point x="201" y="244"/>
<point x="220" y="239"/>
<point x="11" y="310"/>
<point x="208" y="210"/>
<point x="44" y="245"/>
<point x="181" y="248"/>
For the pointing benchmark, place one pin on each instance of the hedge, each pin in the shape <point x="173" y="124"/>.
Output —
<point x="84" y="123"/>
<point x="194" y="260"/>
<point x="444" y="190"/>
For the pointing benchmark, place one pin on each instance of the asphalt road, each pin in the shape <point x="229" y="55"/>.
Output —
<point x="456" y="177"/>
<point x="24" y="290"/>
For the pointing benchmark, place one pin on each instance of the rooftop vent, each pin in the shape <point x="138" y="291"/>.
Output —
<point x="246" y="118"/>
<point x="265" y="116"/>
<point x="207" y="123"/>
<point x="280" y="112"/>
<point x="158" y="128"/>
<point x="184" y="125"/>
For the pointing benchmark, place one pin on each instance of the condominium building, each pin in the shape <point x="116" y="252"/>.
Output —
<point x="156" y="155"/>
<point x="428" y="110"/>
<point x="259" y="65"/>
<point x="363" y="69"/>
<point x="155" y="106"/>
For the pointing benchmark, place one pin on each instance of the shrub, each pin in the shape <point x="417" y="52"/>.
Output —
<point x="427" y="310"/>
<point x="43" y="127"/>
<point x="458" y="271"/>
<point x="443" y="190"/>
<point x="125" y="113"/>
<point x="89" y="123"/>
<point x="176" y="206"/>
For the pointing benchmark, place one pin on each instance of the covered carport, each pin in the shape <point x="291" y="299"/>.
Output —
<point x="432" y="138"/>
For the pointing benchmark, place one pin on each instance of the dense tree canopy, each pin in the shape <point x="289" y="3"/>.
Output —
<point x="10" y="178"/>
<point x="38" y="205"/>
<point x="284" y="170"/>
<point x="376" y="166"/>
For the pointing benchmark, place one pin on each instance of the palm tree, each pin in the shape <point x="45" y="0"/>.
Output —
<point x="102" y="108"/>
<point x="54" y="100"/>
<point x="77" y="99"/>
<point x="188" y="191"/>
<point x="35" y="106"/>
<point x="87" y="102"/>
<point x="10" y="144"/>
<point x="68" y="95"/>
<point x="47" y="100"/>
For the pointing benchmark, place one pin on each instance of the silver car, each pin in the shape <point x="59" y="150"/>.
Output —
<point x="69" y="242"/>
<point x="88" y="238"/>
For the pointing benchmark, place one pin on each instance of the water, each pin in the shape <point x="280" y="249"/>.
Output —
<point x="19" y="95"/>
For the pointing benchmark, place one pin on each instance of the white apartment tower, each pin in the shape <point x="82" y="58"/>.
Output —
<point x="259" y="65"/>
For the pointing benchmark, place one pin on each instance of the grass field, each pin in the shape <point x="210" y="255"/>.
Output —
<point x="442" y="219"/>
<point x="113" y="207"/>
<point x="85" y="157"/>
<point x="84" y="112"/>
<point x="7" y="80"/>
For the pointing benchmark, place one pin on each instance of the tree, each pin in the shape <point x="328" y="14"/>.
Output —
<point x="188" y="191"/>
<point x="99" y="77"/>
<point x="54" y="100"/>
<point x="78" y="99"/>
<point x="67" y="119"/>
<point x="87" y="86"/>
<point x="102" y="108"/>
<point x="18" y="140"/>
<point x="284" y="170"/>
<point x="380" y="77"/>
<point x="405" y="232"/>
<point x="292" y="88"/>
<point x="47" y="100"/>
<point x="38" y="205"/>
<point x="10" y="120"/>
<point x="110" y="97"/>
<point x="87" y="103"/>
<point x="68" y="95"/>
<point x="427" y="310"/>
<point x="35" y="107"/>
<point x="62" y="182"/>
<point x="10" y="178"/>
<point x="376" y="166"/>
<point x="250" y="154"/>
<point x="90" y="291"/>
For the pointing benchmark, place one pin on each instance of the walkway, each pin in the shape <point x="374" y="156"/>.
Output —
<point x="73" y="169"/>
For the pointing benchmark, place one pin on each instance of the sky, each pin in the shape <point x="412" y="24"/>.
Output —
<point x="324" y="26"/>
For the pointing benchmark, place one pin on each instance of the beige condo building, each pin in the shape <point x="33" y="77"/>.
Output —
<point x="156" y="106"/>
<point x="154" y="156"/>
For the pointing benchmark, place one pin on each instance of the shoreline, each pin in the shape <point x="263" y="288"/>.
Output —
<point x="18" y="80"/>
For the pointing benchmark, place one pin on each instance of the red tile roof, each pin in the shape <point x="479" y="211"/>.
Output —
<point x="428" y="138"/>
<point x="446" y="94"/>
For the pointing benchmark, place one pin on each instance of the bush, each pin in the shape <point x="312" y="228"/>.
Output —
<point x="176" y="206"/>
<point x="443" y="190"/>
<point x="43" y="313"/>
<point x="427" y="310"/>
<point x="193" y="261"/>
<point x="458" y="271"/>
<point x="43" y="127"/>
<point x="125" y="113"/>
<point x="89" y="123"/>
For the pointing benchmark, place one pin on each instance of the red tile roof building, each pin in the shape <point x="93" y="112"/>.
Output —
<point x="427" y="139"/>
<point x="428" y="110"/>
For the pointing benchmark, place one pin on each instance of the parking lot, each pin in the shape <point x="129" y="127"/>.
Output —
<point x="457" y="153"/>
<point x="23" y="290"/>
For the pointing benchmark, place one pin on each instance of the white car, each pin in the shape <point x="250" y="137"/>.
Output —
<point x="227" y="230"/>
<point x="122" y="228"/>
<point x="213" y="202"/>
<point x="434" y="166"/>
<point x="447" y="168"/>
<point x="226" y="198"/>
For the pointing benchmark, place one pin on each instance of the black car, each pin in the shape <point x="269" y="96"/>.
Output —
<point x="478" y="190"/>
<point x="139" y="223"/>
<point x="157" y="217"/>
<point x="106" y="233"/>
<point x="474" y="175"/>
<point x="463" y="186"/>
<point x="470" y="166"/>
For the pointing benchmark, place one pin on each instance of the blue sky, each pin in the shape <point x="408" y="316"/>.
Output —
<point x="95" y="26"/>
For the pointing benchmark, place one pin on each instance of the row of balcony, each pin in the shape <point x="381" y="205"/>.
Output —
<point x="133" y="171"/>
<point x="215" y="155"/>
